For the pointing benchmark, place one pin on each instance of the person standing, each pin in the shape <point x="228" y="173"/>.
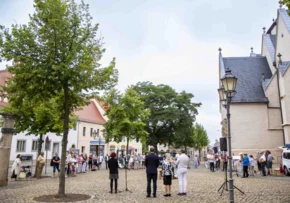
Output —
<point x="167" y="174"/>
<point x="246" y="163"/>
<point x="84" y="163"/>
<point x="90" y="162"/>
<point x="252" y="165"/>
<point x="182" y="163"/>
<point x="40" y="165"/>
<point x="113" y="170"/>
<point x="106" y="160"/>
<point x="210" y="158"/>
<point x="55" y="164"/>
<point x="262" y="161"/>
<point x="16" y="167"/>
<point x="269" y="163"/>
<point x="151" y="164"/>
<point x="195" y="161"/>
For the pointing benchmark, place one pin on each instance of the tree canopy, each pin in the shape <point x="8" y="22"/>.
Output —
<point x="172" y="114"/>
<point x="127" y="116"/>
<point x="200" y="137"/>
<point x="55" y="60"/>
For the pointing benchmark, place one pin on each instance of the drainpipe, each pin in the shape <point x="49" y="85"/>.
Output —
<point x="279" y="95"/>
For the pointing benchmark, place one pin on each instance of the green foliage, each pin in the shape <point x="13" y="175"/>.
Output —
<point x="286" y="3"/>
<point x="200" y="136"/>
<point x="127" y="116"/>
<point x="172" y="114"/>
<point x="56" y="66"/>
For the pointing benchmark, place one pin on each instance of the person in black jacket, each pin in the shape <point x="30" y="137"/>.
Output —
<point x="151" y="163"/>
<point x="113" y="169"/>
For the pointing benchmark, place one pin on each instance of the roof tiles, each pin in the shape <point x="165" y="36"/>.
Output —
<point x="249" y="71"/>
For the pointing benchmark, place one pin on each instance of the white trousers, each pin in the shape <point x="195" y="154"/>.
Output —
<point x="182" y="182"/>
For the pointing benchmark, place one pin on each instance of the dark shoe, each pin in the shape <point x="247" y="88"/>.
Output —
<point x="111" y="192"/>
<point x="148" y="196"/>
<point x="154" y="196"/>
<point x="180" y="194"/>
<point x="184" y="193"/>
<point x="167" y="195"/>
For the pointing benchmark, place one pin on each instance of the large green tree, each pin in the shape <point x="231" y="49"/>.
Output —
<point x="286" y="3"/>
<point x="56" y="56"/>
<point x="172" y="113"/>
<point x="200" y="138"/>
<point x="127" y="116"/>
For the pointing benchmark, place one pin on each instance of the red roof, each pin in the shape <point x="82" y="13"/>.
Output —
<point x="90" y="114"/>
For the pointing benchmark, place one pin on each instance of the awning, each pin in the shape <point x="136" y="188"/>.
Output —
<point x="96" y="142"/>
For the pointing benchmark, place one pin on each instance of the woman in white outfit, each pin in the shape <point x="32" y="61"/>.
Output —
<point x="182" y="164"/>
<point x="16" y="167"/>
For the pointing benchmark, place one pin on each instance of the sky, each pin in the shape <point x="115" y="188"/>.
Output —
<point x="171" y="42"/>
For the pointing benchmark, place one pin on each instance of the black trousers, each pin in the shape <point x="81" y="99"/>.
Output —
<point x="263" y="165"/>
<point x="225" y="166"/>
<point x="245" y="171"/>
<point x="116" y="185"/>
<point x="211" y="166"/>
<point x="106" y="165"/>
<point x="151" y="176"/>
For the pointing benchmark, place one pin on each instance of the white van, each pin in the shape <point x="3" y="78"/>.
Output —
<point x="286" y="160"/>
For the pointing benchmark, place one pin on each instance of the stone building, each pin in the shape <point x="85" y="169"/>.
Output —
<point x="260" y="108"/>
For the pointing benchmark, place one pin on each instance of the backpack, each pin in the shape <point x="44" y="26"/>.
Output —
<point x="51" y="162"/>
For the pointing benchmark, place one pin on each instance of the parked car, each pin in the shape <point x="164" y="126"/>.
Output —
<point x="286" y="160"/>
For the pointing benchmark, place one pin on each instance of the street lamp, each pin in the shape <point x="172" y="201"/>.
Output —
<point x="226" y="92"/>
<point x="97" y="134"/>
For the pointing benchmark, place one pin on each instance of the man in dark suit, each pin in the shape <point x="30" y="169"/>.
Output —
<point x="151" y="163"/>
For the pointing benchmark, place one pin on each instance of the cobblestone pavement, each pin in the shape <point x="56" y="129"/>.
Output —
<point x="202" y="187"/>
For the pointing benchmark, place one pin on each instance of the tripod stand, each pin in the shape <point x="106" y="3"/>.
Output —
<point x="224" y="186"/>
<point x="126" y="180"/>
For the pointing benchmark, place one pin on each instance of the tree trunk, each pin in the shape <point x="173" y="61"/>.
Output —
<point x="199" y="155"/>
<point x="39" y="148"/>
<point x="61" y="188"/>
<point x="156" y="148"/>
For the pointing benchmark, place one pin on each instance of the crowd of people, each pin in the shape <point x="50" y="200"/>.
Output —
<point x="243" y="163"/>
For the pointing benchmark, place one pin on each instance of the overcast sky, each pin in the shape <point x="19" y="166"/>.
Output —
<point x="172" y="42"/>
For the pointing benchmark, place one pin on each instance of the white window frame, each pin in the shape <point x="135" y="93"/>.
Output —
<point x="24" y="146"/>
<point x="34" y="150"/>
<point x="84" y="131"/>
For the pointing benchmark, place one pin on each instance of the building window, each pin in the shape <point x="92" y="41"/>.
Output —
<point x="84" y="131"/>
<point x="21" y="146"/>
<point x="34" y="145"/>
<point x="75" y="127"/>
<point x="83" y="149"/>
<point x="112" y="148"/>
<point x="91" y="134"/>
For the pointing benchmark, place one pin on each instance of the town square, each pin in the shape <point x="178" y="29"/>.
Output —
<point x="144" y="101"/>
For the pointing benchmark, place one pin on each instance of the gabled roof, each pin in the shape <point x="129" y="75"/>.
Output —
<point x="266" y="83"/>
<point x="249" y="72"/>
<point x="268" y="39"/>
<point x="286" y="18"/>
<point x="91" y="114"/>
<point x="283" y="67"/>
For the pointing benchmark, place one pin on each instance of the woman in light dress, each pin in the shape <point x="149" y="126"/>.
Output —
<point x="16" y="167"/>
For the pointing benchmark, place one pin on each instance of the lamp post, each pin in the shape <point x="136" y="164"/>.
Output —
<point x="229" y="83"/>
<point x="97" y="134"/>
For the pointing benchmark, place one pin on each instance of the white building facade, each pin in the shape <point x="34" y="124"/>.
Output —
<point x="260" y="109"/>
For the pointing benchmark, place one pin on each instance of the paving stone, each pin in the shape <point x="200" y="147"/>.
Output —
<point x="202" y="187"/>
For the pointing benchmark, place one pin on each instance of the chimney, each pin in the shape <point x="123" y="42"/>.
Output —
<point x="252" y="54"/>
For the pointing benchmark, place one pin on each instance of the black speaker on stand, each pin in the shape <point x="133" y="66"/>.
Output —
<point x="223" y="144"/>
